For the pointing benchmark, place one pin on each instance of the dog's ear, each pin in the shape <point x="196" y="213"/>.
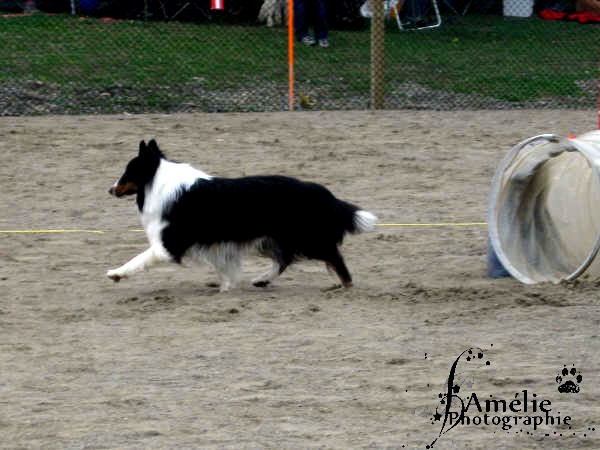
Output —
<point x="154" y="150"/>
<point x="153" y="147"/>
<point x="150" y="151"/>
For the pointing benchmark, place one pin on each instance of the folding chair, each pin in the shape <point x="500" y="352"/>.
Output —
<point x="396" y="6"/>
<point x="392" y="9"/>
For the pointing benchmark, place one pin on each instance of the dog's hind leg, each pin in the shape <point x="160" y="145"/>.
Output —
<point x="335" y="262"/>
<point x="264" y="279"/>
<point x="154" y="255"/>
<point x="282" y="257"/>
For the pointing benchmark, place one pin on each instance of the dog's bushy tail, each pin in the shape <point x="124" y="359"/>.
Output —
<point x="364" y="221"/>
<point x="349" y="218"/>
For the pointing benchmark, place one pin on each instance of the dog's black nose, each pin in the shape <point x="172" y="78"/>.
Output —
<point x="111" y="191"/>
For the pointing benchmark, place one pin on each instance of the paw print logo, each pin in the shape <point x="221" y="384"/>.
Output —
<point x="569" y="380"/>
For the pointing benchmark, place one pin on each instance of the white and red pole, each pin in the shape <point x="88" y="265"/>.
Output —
<point x="217" y="4"/>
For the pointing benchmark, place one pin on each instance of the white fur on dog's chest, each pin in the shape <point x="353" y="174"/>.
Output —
<point x="169" y="180"/>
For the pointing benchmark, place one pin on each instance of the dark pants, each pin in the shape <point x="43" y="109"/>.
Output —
<point x="415" y="9"/>
<point x="307" y="9"/>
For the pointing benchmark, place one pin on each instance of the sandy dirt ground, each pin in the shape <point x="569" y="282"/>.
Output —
<point x="164" y="361"/>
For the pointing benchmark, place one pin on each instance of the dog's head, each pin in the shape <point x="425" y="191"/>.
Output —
<point x="139" y="171"/>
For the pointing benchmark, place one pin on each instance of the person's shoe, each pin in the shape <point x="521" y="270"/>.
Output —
<point x="323" y="43"/>
<point x="309" y="41"/>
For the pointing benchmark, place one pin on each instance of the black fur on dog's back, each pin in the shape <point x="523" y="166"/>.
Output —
<point x="299" y="219"/>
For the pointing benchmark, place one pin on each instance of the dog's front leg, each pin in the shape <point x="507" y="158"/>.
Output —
<point x="154" y="255"/>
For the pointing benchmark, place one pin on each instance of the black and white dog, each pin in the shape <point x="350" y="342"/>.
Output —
<point x="187" y="213"/>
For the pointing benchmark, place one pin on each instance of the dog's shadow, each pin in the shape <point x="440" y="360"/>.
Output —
<point x="167" y="298"/>
<point x="192" y="296"/>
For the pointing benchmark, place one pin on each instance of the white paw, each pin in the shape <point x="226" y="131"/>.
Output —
<point x="225" y="286"/>
<point x="115" y="275"/>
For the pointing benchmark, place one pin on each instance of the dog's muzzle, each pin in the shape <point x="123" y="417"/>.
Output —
<point x="119" y="190"/>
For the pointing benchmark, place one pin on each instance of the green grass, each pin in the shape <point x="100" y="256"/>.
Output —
<point x="60" y="49"/>
<point x="511" y="59"/>
<point x="148" y="66"/>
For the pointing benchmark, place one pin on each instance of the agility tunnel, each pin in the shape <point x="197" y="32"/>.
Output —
<point x="544" y="209"/>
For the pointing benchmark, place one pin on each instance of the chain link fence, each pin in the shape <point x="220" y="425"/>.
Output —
<point x="91" y="56"/>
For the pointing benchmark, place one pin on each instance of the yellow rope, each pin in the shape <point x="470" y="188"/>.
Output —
<point x="49" y="231"/>
<point x="405" y="225"/>
<point x="440" y="224"/>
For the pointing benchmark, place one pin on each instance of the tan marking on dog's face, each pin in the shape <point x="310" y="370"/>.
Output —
<point x="120" y="190"/>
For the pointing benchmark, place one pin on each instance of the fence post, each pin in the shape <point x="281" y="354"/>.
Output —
<point x="377" y="52"/>
<point x="291" y="78"/>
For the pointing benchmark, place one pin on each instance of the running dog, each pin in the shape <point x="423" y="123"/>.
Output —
<point x="188" y="213"/>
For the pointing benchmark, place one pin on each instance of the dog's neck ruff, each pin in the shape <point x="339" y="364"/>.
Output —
<point x="168" y="182"/>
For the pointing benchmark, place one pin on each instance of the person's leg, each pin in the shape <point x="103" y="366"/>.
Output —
<point x="300" y="19"/>
<point x="415" y="9"/>
<point x="321" y="26"/>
